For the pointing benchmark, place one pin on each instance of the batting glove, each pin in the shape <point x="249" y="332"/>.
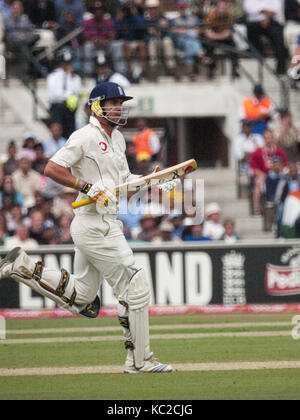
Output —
<point x="168" y="186"/>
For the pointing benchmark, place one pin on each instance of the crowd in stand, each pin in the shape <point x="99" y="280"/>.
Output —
<point x="269" y="154"/>
<point x="139" y="35"/>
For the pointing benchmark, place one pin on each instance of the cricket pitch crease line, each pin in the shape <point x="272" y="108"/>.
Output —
<point x="182" y="367"/>
<point x="153" y="337"/>
<point x="152" y="328"/>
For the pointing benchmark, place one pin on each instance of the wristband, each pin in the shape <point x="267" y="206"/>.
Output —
<point x="86" y="188"/>
<point x="76" y="184"/>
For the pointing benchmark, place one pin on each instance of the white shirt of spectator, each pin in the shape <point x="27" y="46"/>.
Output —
<point x="213" y="230"/>
<point x="253" y="9"/>
<point x="92" y="156"/>
<point x="61" y="85"/>
<point x="244" y="145"/>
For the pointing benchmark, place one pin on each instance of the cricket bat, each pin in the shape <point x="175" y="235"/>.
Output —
<point x="166" y="175"/>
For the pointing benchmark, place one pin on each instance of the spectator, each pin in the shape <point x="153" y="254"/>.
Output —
<point x="15" y="218"/>
<point x="8" y="189"/>
<point x="26" y="181"/>
<point x="148" y="229"/>
<point x="185" y="29"/>
<point x="40" y="160"/>
<point x="196" y="234"/>
<point x="246" y="143"/>
<point x="229" y="236"/>
<point x="292" y="10"/>
<point x="219" y="23"/>
<point x="293" y="71"/>
<point x="260" y="163"/>
<point x="264" y="18"/>
<point x="41" y="13"/>
<point x="105" y="73"/>
<point x="38" y="202"/>
<point x="56" y="141"/>
<point x="166" y="233"/>
<point x="3" y="229"/>
<point x="19" y="35"/>
<point x="291" y="214"/>
<point x="21" y="239"/>
<point x="62" y="204"/>
<point x="64" y="232"/>
<point x="64" y="90"/>
<point x="146" y="140"/>
<point x="212" y="227"/>
<point x="178" y="226"/>
<point x="132" y="32"/>
<point x="289" y="136"/>
<point x="36" y="226"/>
<point x="131" y="158"/>
<point x="258" y="109"/>
<point x="76" y="6"/>
<point x="74" y="45"/>
<point x="2" y="33"/>
<point x="160" y="43"/>
<point x="274" y="184"/>
<point x="50" y="220"/>
<point x="5" y="8"/>
<point x="11" y="164"/>
<point x="130" y="213"/>
<point x="98" y="34"/>
<point x="50" y="237"/>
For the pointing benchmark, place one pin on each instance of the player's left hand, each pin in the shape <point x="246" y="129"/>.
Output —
<point x="106" y="203"/>
<point x="168" y="186"/>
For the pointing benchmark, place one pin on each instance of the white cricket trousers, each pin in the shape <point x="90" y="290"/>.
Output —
<point x="101" y="252"/>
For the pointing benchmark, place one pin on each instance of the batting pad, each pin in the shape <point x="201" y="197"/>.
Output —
<point x="138" y="303"/>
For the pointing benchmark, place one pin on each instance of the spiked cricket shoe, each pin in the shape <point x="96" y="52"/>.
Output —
<point x="152" y="365"/>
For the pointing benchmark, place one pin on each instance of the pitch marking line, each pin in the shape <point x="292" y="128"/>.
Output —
<point x="183" y="367"/>
<point x="153" y="327"/>
<point x="153" y="337"/>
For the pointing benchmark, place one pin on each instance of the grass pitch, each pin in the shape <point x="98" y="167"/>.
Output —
<point x="193" y="343"/>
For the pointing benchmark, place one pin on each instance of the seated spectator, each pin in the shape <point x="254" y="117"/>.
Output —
<point x="76" y="6"/>
<point x="50" y="237"/>
<point x="185" y="30"/>
<point x="26" y="181"/>
<point x="15" y="218"/>
<point x="264" y="17"/>
<point x="36" y="226"/>
<point x="261" y="164"/>
<point x="218" y="28"/>
<point x="19" y="34"/>
<point x="289" y="136"/>
<point x="62" y="204"/>
<point x="22" y="239"/>
<point x="291" y="216"/>
<point x="3" y="229"/>
<point x="41" y="13"/>
<point x="105" y="72"/>
<point x="38" y="202"/>
<point x="50" y="220"/>
<point x="273" y="187"/>
<point x="11" y="164"/>
<point x="40" y="160"/>
<point x="5" y="8"/>
<point x="8" y="189"/>
<point x="55" y="142"/>
<point x="166" y="234"/>
<point x="148" y="229"/>
<point x="196" y="234"/>
<point x="229" y="236"/>
<point x="160" y="43"/>
<point x="246" y="143"/>
<point x="178" y="226"/>
<point x="146" y="140"/>
<point x="98" y="34"/>
<point x="74" y="45"/>
<point x="212" y="227"/>
<point x="292" y="10"/>
<point x="131" y="30"/>
<point x="28" y="145"/>
<point x="293" y="71"/>
<point x="64" y="232"/>
<point x="258" y="109"/>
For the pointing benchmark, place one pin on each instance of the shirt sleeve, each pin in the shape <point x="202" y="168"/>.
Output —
<point x="70" y="154"/>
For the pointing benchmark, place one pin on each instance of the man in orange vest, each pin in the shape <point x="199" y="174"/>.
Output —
<point x="146" y="140"/>
<point x="259" y="109"/>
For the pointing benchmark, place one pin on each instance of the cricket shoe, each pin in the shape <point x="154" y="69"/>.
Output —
<point x="151" y="365"/>
<point x="6" y="264"/>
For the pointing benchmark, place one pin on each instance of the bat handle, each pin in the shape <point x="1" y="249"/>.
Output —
<point x="82" y="203"/>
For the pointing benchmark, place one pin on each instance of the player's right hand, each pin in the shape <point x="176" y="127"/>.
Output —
<point x="96" y="191"/>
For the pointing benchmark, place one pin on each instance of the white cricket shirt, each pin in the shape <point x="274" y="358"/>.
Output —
<point x="92" y="155"/>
